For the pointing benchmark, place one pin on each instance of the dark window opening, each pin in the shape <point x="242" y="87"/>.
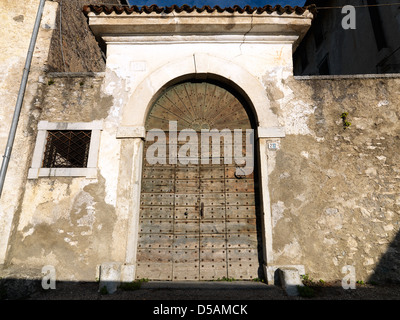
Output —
<point x="323" y="67"/>
<point x="303" y="59"/>
<point x="317" y="29"/>
<point x="318" y="36"/>
<point x="67" y="149"/>
<point x="377" y="24"/>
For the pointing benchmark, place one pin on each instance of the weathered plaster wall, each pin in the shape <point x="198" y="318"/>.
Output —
<point x="16" y="25"/>
<point x="335" y="191"/>
<point x="71" y="223"/>
<point x="81" y="53"/>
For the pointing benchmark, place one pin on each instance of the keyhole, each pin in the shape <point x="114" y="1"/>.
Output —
<point x="186" y="213"/>
<point x="201" y="209"/>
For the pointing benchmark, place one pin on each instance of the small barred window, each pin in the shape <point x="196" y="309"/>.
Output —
<point x="67" y="149"/>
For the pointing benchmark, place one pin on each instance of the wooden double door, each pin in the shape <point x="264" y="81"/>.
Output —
<point x="198" y="220"/>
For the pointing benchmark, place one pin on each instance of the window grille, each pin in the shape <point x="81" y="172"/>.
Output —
<point x="67" y="149"/>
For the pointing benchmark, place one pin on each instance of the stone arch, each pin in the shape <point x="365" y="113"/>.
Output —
<point x="203" y="66"/>
<point x="214" y="81"/>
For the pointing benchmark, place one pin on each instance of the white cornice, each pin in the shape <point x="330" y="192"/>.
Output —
<point x="200" y="27"/>
<point x="214" y="39"/>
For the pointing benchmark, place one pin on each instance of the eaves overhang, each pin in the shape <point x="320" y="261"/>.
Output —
<point x="122" y="23"/>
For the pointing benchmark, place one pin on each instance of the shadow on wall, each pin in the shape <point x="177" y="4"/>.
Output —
<point x="383" y="284"/>
<point x="388" y="268"/>
<point x="152" y="291"/>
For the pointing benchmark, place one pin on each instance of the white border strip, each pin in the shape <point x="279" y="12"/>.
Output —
<point x="350" y="76"/>
<point x="271" y="132"/>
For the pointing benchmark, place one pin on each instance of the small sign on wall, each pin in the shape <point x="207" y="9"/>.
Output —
<point x="273" y="146"/>
<point x="138" y="65"/>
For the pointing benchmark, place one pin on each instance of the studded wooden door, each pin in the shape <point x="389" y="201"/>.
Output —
<point x="198" y="220"/>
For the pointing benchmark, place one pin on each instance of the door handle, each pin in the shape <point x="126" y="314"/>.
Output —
<point x="201" y="209"/>
<point x="239" y="173"/>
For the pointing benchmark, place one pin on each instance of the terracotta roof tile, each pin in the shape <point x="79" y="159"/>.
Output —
<point x="97" y="9"/>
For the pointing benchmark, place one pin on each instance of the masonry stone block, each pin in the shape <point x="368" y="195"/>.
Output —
<point x="290" y="279"/>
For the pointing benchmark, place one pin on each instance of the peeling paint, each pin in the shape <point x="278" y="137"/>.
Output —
<point x="296" y="118"/>
<point x="277" y="212"/>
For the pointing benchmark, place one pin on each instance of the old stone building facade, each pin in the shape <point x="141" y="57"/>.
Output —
<point x="323" y="192"/>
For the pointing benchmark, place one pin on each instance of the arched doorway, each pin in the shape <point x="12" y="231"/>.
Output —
<point x="199" y="214"/>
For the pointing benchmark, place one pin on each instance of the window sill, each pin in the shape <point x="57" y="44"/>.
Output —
<point x="88" y="173"/>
